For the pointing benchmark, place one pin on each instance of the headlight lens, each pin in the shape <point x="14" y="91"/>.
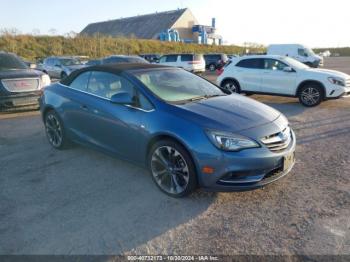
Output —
<point x="336" y="81"/>
<point x="229" y="141"/>
<point x="45" y="80"/>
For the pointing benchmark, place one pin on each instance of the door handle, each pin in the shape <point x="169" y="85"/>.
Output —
<point x="84" y="107"/>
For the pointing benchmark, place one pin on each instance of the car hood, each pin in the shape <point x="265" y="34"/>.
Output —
<point x="229" y="113"/>
<point x="19" y="73"/>
<point x="327" y="72"/>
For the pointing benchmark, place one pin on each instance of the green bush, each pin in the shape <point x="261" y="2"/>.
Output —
<point x="34" y="47"/>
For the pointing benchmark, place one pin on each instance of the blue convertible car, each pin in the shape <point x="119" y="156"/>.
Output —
<point x="187" y="131"/>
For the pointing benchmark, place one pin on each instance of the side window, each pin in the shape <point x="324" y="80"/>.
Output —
<point x="106" y="85"/>
<point x="273" y="64"/>
<point x="144" y="103"/>
<point x="49" y="61"/>
<point x="186" y="58"/>
<point x="302" y="52"/>
<point x="171" y="58"/>
<point x="162" y="59"/>
<point x="81" y="81"/>
<point x="252" y="63"/>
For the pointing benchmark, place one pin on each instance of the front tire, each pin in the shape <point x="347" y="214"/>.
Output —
<point x="231" y="85"/>
<point x="311" y="95"/>
<point x="55" y="131"/>
<point x="172" y="168"/>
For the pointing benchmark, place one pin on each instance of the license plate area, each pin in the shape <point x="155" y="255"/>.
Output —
<point x="288" y="161"/>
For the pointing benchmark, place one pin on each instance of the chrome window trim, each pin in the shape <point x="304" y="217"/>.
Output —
<point x="130" y="106"/>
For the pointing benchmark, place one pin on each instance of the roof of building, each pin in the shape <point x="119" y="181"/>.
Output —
<point x="143" y="26"/>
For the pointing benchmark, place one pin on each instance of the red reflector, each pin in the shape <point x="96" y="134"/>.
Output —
<point x="219" y="71"/>
<point x="208" y="170"/>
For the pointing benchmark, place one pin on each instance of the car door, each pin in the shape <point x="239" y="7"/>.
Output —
<point x="114" y="127"/>
<point x="249" y="72"/>
<point x="49" y="66"/>
<point x="56" y="68"/>
<point x="277" y="81"/>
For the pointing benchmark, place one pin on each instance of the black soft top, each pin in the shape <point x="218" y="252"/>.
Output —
<point x="116" y="68"/>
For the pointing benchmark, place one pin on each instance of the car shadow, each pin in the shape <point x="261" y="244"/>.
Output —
<point x="80" y="201"/>
<point x="290" y="107"/>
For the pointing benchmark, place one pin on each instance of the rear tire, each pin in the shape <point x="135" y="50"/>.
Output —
<point x="212" y="67"/>
<point x="172" y="168"/>
<point x="311" y="95"/>
<point x="231" y="86"/>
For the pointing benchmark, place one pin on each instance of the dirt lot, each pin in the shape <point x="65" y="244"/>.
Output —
<point x="83" y="202"/>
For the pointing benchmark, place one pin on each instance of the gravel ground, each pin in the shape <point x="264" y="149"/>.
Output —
<point x="80" y="201"/>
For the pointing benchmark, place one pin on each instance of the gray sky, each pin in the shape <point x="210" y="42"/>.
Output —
<point x="314" y="23"/>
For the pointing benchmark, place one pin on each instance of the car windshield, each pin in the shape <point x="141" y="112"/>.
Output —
<point x="177" y="85"/>
<point x="309" y="51"/>
<point x="11" y="62"/>
<point x="70" y="62"/>
<point x="294" y="63"/>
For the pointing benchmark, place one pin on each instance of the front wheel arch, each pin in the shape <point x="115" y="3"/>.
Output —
<point x="306" y="82"/>
<point x="231" y="79"/>
<point x="160" y="137"/>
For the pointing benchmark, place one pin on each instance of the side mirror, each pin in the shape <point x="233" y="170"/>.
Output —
<point x="288" y="69"/>
<point x="32" y="66"/>
<point x="122" y="98"/>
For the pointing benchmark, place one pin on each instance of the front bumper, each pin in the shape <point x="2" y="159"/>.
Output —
<point x="248" y="169"/>
<point x="8" y="102"/>
<point x="334" y="92"/>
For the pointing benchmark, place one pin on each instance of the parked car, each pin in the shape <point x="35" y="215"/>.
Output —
<point x="60" y="67"/>
<point x="190" y="62"/>
<point x="299" y="52"/>
<point x="279" y="75"/>
<point x="215" y="61"/>
<point x="123" y="59"/>
<point x="186" y="130"/>
<point x="19" y="85"/>
<point x="94" y="62"/>
<point x="152" y="58"/>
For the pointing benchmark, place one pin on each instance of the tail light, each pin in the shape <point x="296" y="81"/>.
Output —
<point x="219" y="71"/>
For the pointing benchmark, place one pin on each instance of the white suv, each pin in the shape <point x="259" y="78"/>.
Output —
<point x="190" y="62"/>
<point x="279" y="75"/>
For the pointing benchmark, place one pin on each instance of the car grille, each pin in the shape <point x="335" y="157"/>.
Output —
<point x="21" y="85"/>
<point x="279" y="141"/>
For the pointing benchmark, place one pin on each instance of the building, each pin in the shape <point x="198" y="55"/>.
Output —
<point x="177" y="25"/>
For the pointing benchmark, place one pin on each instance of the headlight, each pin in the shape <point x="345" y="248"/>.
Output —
<point x="336" y="81"/>
<point x="45" y="80"/>
<point x="229" y="141"/>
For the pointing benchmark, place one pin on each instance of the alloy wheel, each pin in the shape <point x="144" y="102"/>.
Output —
<point x="230" y="86"/>
<point x="170" y="170"/>
<point x="53" y="130"/>
<point x="310" y="96"/>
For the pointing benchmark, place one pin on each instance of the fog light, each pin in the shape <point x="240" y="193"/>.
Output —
<point x="208" y="170"/>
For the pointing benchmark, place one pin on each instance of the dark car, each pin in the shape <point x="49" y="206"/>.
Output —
<point x="115" y="59"/>
<point x="152" y="58"/>
<point x="20" y="86"/>
<point x="186" y="130"/>
<point x="94" y="62"/>
<point x="215" y="61"/>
